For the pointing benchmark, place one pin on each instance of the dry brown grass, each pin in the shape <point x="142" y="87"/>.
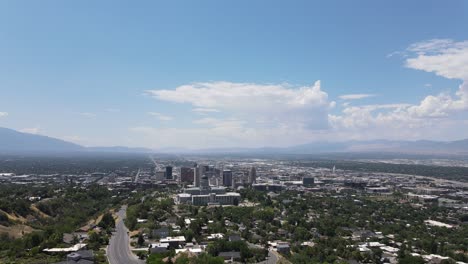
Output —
<point x="39" y="212"/>
<point x="14" y="217"/>
<point x="16" y="231"/>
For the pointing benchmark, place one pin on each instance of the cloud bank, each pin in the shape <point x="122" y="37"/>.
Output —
<point x="251" y="114"/>
<point x="271" y="105"/>
<point x="355" y="96"/>
<point x="434" y="116"/>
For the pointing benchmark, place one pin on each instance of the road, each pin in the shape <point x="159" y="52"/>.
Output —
<point x="272" y="256"/>
<point x="118" y="251"/>
<point x="154" y="161"/>
<point x="271" y="259"/>
<point x="137" y="176"/>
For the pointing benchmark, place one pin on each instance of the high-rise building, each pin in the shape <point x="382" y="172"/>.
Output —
<point x="233" y="183"/>
<point x="252" y="175"/>
<point x="227" y="178"/>
<point x="169" y="172"/>
<point x="308" y="181"/>
<point x="197" y="175"/>
<point x="186" y="175"/>
<point x="159" y="175"/>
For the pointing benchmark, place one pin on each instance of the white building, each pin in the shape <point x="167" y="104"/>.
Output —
<point x="229" y="198"/>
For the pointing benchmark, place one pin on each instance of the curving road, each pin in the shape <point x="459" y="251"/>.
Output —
<point x="272" y="257"/>
<point x="118" y="251"/>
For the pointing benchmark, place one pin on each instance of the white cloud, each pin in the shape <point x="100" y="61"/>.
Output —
<point x="32" y="130"/>
<point x="355" y="96"/>
<point x="3" y="114"/>
<point x="237" y="96"/>
<point x="249" y="114"/>
<point x="278" y="103"/>
<point x="444" y="57"/>
<point x="434" y="116"/>
<point x="205" y="110"/>
<point x="395" y="53"/>
<point x="160" y="116"/>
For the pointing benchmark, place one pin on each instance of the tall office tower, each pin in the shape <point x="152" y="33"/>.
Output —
<point x="308" y="181"/>
<point x="169" y="172"/>
<point x="159" y="175"/>
<point x="218" y="172"/>
<point x="197" y="175"/>
<point x="227" y="178"/>
<point x="186" y="175"/>
<point x="233" y="183"/>
<point x="252" y="175"/>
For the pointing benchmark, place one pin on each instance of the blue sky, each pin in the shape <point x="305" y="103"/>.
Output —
<point x="234" y="73"/>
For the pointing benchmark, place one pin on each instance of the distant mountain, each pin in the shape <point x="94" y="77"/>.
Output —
<point x="372" y="146"/>
<point x="12" y="141"/>
<point x="414" y="147"/>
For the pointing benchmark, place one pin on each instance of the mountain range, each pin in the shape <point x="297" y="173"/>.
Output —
<point x="12" y="141"/>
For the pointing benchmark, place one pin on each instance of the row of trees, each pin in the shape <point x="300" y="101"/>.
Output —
<point x="169" y="258"/>
<point x="68" y="210"/>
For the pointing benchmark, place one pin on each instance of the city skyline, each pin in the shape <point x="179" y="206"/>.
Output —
<point x="213" y="74"/>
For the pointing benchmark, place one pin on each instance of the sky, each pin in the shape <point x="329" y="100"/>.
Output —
<point x="210" y="74"/>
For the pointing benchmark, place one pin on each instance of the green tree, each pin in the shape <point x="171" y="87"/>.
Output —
<point x="207" y="259"/>
<point x="107" y="221"/>
<point x="140" y="240"/>
<point x="411" y="260"/>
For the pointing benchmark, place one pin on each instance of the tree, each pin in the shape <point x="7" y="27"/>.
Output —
<point x="301" y="234"/>
<point x="464" y="218"/>
<point x="207" y="259"/>
<point x="189" y="234"/>
<point x="94" y="240"/>
<point x="107" y="221"/>
<point x="141" y="240"/>
<point x="411" y="260"/>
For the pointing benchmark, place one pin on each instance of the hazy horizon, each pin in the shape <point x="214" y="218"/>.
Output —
<point x="241" y="74"/>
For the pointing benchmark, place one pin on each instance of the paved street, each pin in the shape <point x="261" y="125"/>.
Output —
<point x="272" y="256"/>
<point x="118" y="251"/>
<point x="271" y="259"/>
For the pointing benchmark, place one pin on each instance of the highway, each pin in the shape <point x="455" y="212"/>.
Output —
<point x="137" y="175"/>
<point x="118" y="251"/>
